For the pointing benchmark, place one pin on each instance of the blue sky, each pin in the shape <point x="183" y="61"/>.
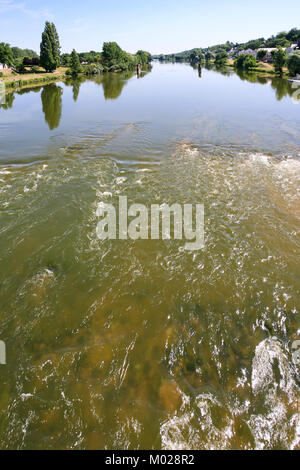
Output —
<point x="156" y="25"/>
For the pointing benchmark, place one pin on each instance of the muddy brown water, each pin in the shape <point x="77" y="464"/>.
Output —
<point x="141" y="344"/>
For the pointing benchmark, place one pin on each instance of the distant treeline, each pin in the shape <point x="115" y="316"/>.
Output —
<point x="283" y="39"/>
<point x="112" y="57"/>
<point x="18" y="53"/>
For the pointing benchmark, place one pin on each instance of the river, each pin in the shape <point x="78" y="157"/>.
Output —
<point x="124" y="344"/>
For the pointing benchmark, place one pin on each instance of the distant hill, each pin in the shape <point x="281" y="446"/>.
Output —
<point x="283" y="39"/>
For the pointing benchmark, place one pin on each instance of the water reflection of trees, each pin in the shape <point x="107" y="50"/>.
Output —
<point x="24" y="91"/>
<point x="8" y="101"/>
<point x="51" y="96"/>
<point x="281" y="86"/>
<point x="75" y="83"/>
<point x="52" y="105"/>
<point x="113" y="83"/>
<point x="227" y="72"/>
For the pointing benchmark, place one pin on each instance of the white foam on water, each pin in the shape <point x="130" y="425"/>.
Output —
<point x="259" y="158"/>
<point x="120" y="180"/>
<point x="278" y="392"/>
<point x="188" y="150"/>
<point x="192" y="428"/>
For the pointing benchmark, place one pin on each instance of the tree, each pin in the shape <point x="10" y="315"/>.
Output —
<point x="245" y="62"/>
<point x="293" y="64"/>
<point x="50" y="48"/>
<point x="143" y="57"/>
<point x="75" y="63"/>
<point x="6" y="56"/>
<point x="208" y="56"/>
<point x="279" y="60"/>
<point x="293" y="35"/>
<point x="196" y="56"/>
<point x="21" y="53"/>
<point x="65" y="59"/>
<point x="112" y="52"/>
<point x="221" y="59"/>
<point x="261" y="54"/>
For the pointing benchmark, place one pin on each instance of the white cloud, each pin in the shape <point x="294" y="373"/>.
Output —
<point x="11" y="5"/>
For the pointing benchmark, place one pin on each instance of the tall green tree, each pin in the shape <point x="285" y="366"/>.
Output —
<point x="50" y="48"/>
<point x="75" y="63"/>
<point x="112" y="52"/>
<point x="6" y="56"/>
<point x="279" y="60"/>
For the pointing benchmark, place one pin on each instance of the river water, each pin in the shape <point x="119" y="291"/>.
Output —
<point x="141" y="344"/>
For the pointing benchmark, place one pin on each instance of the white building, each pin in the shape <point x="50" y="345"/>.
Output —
<point x="248" y="52"/>
<point x="290" y="50"/>
<point x="269" y="51"/>
<point x="3" y="66"/>
<point x="233" y="52"/>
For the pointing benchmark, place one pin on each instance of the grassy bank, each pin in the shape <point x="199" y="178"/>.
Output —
<point x="13" y="80"/>
<point x="263" y="68"/>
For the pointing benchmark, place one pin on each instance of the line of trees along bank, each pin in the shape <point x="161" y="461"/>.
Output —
<point x="280" y="59"/>
<point x="111" y="59"/>
<point x="218" y="54"/>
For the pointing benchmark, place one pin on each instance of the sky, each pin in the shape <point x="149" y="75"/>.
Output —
<point x="158" y="26"/>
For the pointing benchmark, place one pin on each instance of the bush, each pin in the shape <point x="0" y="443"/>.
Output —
<point x="20" y="68"/>
<point x="293" y="64"/>
<point x="114" y="68"/>
<point x="27" y="61"/>
<point x="1" y="74"/>
<point x="221" y="59"/>
<point x="262" y="54"/>
<point x="93" y="69"/>
<point x="245" y="62"/>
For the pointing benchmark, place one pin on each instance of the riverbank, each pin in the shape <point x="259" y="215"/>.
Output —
<point x="262" y="68"/>
<point x="14" y="80"/>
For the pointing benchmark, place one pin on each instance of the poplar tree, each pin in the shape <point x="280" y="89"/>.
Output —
<point x="6" y="56"/>
<point x="75" y="63"/>
<point x="50" y="48"/>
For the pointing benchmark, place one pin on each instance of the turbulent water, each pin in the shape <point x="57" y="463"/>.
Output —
<point x="142" y="344"/>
